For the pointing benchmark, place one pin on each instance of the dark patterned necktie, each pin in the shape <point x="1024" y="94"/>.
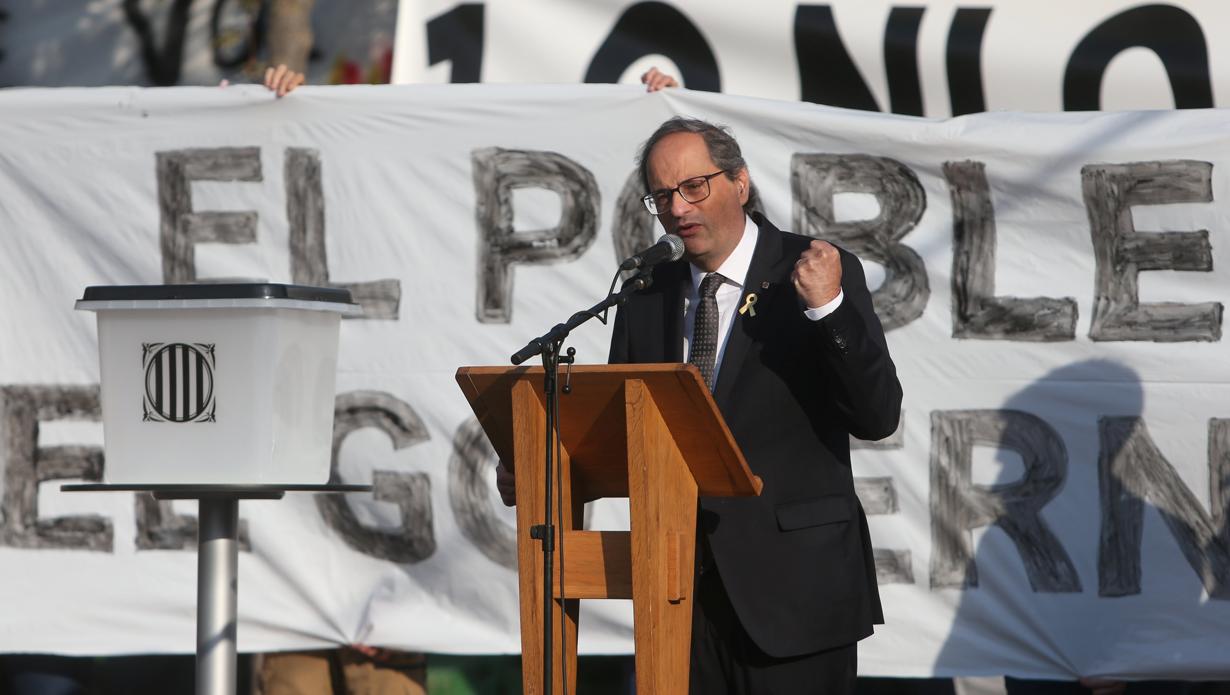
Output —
<point x="702" y="351"/>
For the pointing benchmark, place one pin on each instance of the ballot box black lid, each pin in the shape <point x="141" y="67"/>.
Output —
<point x="211" y="290"/>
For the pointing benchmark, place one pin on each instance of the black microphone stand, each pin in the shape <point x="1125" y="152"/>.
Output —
<point x="548" y="345"/>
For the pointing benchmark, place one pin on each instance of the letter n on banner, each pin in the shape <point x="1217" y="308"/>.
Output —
<point x="1131" y="470"/>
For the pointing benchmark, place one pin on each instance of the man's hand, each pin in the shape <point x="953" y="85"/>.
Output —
<point x="373" y="653"/>
<point x="1104" y="686"/>
<point x="282" y="80"/>
<point x="506" y="483"/>
<point x="817" y="274"/>
<point x="654" y="80"/>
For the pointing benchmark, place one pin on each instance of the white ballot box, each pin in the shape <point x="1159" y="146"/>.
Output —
<point x="217" y="383"/>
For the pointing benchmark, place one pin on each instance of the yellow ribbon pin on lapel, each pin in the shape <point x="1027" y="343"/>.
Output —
<point x="749" y="305"/>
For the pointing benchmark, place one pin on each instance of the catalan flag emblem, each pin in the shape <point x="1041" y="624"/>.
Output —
<point x="179" y="382"/>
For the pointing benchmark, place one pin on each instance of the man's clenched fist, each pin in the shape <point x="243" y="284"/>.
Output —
<point x="817" y="274"/>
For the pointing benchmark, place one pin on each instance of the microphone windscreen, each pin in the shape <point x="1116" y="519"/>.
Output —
<point x="676" y="244"/>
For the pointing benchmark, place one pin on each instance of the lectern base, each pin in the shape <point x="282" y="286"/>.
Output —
<point x="217" y="569"/>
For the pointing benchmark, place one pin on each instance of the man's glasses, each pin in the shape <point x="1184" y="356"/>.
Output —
<point x="693" y="190"/>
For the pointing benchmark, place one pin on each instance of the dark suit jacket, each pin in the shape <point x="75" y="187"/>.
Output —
<point x="796" y="561"/>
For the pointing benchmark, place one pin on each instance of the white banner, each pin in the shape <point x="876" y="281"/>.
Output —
<point x="924" y="58"/>
<point x="1054" y="503"/>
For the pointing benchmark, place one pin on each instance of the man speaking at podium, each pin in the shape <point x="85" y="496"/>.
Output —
<point x="782" y="329"/>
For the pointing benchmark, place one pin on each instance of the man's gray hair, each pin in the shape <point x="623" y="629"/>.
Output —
<point x="723" y="150"/>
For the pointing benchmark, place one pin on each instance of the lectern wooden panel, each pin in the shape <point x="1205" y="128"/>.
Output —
<point x="648" y="432"/>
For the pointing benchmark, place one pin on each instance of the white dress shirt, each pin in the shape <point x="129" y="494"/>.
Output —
<point x="734" y="269"/>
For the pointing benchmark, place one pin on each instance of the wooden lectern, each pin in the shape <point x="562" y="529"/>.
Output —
<point x="649" y="432"/>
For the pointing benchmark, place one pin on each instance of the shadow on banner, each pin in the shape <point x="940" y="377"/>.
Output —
<point x="1069" y="454"/>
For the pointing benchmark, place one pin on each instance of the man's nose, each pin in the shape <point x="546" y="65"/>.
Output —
<point x="679" y="206"/>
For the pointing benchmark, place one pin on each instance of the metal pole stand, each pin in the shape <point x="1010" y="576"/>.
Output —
<point x="217" y="593"/>
<point x="217" y="566"/>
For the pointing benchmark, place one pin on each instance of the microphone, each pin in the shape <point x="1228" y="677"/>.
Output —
<point x="668" y="248"/>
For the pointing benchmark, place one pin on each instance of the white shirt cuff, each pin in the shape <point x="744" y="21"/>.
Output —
<point x="819" y="312"/>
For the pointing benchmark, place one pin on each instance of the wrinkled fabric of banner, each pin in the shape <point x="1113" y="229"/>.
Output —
<point x="1053" y="503"/>
<point x="933" y="58"/>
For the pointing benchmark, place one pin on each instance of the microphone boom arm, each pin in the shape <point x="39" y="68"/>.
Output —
<point x="634" y="284"/>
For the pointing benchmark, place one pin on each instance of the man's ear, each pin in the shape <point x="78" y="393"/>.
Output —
<point x="744" y="185"/>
